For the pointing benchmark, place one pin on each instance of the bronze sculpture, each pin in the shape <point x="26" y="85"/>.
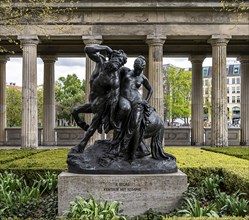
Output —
<point x="117" y="105"/>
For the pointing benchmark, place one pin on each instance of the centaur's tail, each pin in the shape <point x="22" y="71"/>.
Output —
<point x="157" y="146"/>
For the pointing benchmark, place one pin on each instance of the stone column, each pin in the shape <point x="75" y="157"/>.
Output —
<point x="90" y="65"/>
<point x="29" y="131"/>
<point x="3" y="61"/>
<point x="49" y="101"/>
<point x="155" y="73"/>
<point x="244" y="105"/>
<point x="219" y="130"/>
<point x="197" y="137"/>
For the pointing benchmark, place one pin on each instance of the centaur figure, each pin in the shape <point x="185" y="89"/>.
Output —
<point x="104" y="91"/>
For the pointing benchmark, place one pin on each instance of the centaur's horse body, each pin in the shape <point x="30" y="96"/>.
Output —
<point x="154" y="130"/>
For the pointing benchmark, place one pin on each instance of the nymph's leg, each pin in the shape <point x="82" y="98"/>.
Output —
<point x="135" y="124"/>
<point x="123" y="111"/>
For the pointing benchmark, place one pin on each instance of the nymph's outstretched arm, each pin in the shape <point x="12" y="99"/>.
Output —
<point x="147" y="85"/>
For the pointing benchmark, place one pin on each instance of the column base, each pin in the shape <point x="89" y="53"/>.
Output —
<point x="49" y="143"/>
<point x="244" y="143"/>
<point x="194" y="143"/>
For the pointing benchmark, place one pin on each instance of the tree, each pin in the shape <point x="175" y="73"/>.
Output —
<point x="69" y="92"/>
<point x="16" y="15"/>
<point x="207" y="102"/>
<point x="236" y="6"/>
<point x="40" y="105"/>
<point x="14" y="107"/>
<point x="178" y="93"/>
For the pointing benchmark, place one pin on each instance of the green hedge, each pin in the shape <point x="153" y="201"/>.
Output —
<point x="12" y="155"/>
<point x="195" y="162"/>
<point x="36" y="163"/>
<point x="207" y="218"/>
<point x="198" y="163"/>
<point x="240" y="152"/>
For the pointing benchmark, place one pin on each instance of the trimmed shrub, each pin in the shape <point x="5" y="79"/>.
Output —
<point x="198" y="163"/>
<point x="12" y="155"/>
<point x="240" y="152"/>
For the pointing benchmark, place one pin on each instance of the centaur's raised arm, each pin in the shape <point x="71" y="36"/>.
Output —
<point x="93" y="51"/>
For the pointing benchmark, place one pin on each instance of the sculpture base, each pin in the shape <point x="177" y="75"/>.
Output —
<point x="96" y="160"/>
<point x="137" y="193"/>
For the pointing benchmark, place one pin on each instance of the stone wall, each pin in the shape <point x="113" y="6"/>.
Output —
<point x="172" y="136"/>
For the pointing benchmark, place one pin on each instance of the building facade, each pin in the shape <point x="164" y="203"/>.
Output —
<point x="233" y="93"/>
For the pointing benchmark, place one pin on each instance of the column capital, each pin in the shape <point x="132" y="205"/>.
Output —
<point x="28" y="39"/>
<point x="155" y="40"/>
<point x="4" y="58"/>
<point x="219" y="39"/>
<point x="49" y="58"/>
<point x="196" y="58"/>
<point x="243" y="59"/>
<point x="92" y="39"/>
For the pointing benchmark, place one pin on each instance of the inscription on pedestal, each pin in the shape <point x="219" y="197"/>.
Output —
<point x="122" y="187"/>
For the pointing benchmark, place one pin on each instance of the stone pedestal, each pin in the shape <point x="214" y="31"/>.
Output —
<point x="137" y="193"/>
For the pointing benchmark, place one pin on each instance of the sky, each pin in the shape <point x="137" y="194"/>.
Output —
<point x="65" y="66"/>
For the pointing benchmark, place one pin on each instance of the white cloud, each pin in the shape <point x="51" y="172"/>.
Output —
<point x="65" y="66"/>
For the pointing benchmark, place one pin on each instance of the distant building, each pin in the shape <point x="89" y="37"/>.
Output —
<point x="13" y="85"/>
<point x="233" y="91"/>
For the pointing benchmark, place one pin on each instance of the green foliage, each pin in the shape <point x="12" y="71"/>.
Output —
<point x="240" y="152"/>
<point x="177" y="97"/>
<point x="235" y="6"/>
<point x="13" y="106"/>
<point x="45" y="160"/>
<point x="209" y="200"/>
<point x="206" y="218"/>
<point x="197" y="163"/>
<point x="40" y="105"/>
<point x="18" y="199"/>
<point x="91" y="210"/>
<point x="15" y="15"/>
<point x="13" y="155"/>
<point x="195" y="209"/>
<point x="48" y="182"/>
<point x="232" y="205"/>
<point x="69" y="92"/>
<point x="210" y="186"/>
<point x="148" y="215"/>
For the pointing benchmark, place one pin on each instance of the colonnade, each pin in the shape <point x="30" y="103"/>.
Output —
<point x="155" y="44"/>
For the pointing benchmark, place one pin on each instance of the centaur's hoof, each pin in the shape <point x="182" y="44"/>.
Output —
<point x="77" y="149"/>
<point x="83" y="125"/>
